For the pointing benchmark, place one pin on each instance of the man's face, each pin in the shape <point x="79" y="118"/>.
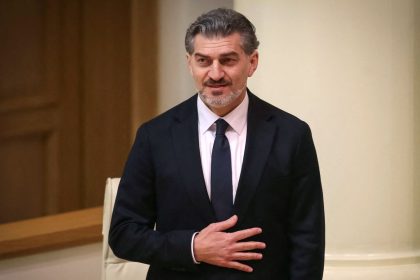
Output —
<point x="220" y="69"/>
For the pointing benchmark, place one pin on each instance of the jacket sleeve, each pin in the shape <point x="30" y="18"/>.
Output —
<point x="132" y="235"/>
<point x="306" y="213"/>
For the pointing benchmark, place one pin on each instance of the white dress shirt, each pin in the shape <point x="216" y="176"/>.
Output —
<point x="235" y="133"/>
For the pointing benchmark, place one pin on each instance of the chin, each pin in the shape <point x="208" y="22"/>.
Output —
<point x="218" y="100"/>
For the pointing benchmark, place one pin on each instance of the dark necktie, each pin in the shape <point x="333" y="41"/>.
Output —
<point x="221" y="174"/>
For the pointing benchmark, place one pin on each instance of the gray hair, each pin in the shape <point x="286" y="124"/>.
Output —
<point x="222" y="22"/>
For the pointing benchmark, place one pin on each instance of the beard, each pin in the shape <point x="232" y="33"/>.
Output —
<point x="217" y="99"/>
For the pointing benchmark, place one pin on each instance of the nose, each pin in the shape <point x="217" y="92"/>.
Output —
<point x="216" y="72"/>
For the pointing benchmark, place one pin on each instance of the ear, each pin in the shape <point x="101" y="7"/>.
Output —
<point x="253" y="61"/>
<point x="189" y="61"/>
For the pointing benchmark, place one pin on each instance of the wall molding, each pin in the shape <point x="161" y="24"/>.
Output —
<point x="373" y="259"/>
<point x="373" y="266"/>
<point x="51" y="232"/>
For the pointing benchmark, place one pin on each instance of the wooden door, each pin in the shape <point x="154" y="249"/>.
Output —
<point x="39" y="118"/>
<point x="66" y="101"/>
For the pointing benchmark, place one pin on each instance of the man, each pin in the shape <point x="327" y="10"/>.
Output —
<point x="224" y="185"/>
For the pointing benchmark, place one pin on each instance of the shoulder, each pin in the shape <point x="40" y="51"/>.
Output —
<point x="282" y="119"/>
<point x="164" y="121"/>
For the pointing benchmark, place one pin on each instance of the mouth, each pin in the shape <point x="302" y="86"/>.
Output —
<point x="216" y="86"/>
<point x="216" y="90"/>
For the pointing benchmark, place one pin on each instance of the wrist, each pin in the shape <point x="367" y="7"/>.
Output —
<point x="194" y="256"/>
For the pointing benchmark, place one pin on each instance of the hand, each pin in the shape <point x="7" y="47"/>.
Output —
<point x="213" y="246"/>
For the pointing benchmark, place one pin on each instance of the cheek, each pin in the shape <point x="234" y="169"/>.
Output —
<point x="240" y="78"/>
<point x="199" y="76"/>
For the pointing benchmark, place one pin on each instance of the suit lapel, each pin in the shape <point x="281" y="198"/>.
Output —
<point x="260" y="135"/>
<point x="187" y="153"/>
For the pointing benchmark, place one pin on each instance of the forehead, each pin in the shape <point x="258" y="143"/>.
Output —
<point x="216" y="45"/>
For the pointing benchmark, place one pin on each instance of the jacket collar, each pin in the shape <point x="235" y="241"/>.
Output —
<point x="260" y="135"/>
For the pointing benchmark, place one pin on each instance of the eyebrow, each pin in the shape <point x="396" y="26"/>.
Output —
<point x="235" y="54"/>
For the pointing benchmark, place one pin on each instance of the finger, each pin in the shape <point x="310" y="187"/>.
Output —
<point x="246" y="246"/>
<point x="224" y="225"/>
<point x="238" y="266"/>
<point x="240" y="256"/>
<point x="245" y="233"/>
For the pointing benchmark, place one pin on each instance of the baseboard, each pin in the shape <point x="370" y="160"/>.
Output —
<point x="389" y="266"/>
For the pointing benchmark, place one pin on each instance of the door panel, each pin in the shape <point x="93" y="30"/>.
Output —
<point x="70" y="94"/>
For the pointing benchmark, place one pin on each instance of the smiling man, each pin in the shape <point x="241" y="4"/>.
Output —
<point x="220" y="68"/>
<point x="224" y="185"/>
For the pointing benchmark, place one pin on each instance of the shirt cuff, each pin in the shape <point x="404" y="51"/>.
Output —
<point x="192" y="248"/>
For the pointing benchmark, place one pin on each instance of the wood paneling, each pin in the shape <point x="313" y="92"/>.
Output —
<point x="76" y="77"/>
<point x="29" y="92"/>
<point x="28" y="53"/>
<point x="144" y="62"/>
<point x="50" y="233"/>
<point x="22" y="27"/>
<point x="22" y="172"/>
<point x="70" y="146"/>
<point x="106" y="107"/>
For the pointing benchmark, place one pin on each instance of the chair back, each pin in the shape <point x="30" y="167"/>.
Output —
<point x="114" y="268"/>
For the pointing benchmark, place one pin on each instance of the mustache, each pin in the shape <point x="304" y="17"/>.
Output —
<point x="213" y="83"/>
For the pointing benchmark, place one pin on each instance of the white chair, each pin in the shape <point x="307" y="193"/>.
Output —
<point x="114" y="268"/>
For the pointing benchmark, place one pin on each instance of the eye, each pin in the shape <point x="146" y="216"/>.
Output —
<point x="229" y="61"/>
<point x="202" y="61"/>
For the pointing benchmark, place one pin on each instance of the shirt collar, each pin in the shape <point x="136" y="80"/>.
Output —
<point x="237" y="119"/>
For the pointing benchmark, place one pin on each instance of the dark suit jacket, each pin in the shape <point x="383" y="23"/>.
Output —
<point x="279" y="190"/>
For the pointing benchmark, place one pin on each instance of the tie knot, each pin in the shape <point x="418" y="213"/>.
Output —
<point x="221" y="126"/>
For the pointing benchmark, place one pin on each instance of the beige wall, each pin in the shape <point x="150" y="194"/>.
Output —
<point x="81" y="263"/>
<point x="417" y="125"/>
<point x="347" y="68"/>
<point x="175" y="84"/>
